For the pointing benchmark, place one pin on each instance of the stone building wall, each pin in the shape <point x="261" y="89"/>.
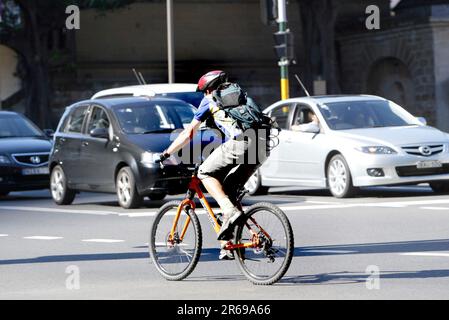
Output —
<point x="441" y="57"/>
<point x="410" y="45"/>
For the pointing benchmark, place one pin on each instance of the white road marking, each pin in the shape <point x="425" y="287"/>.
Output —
<point x="138" y="214"/>
<point x="103" y="240"/>
<point x="426" y="254"/>
<point x="435" y="208"/>
<point x="329" y="251"/>
<point x="57" y="210"/>
<point x="3" y="235"/>
<point x="321" y="202"/>
<point x="42" y="238"/>
<point x="319" y="207"/>
<point x="411" y="203"/>
<point x="163" y="244"/>
<point x="200" y="211"/>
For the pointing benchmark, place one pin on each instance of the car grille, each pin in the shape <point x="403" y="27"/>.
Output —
<point x="32" y="159"/>
<point x="413" y="171"/>
<point x="418" y="150"/>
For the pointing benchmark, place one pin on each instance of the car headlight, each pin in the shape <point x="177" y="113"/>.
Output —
<point x="4" y="160"/>
<point x="149" y="158"/>
<point x="377" y="150"/>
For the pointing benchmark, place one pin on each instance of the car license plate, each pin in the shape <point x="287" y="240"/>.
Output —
<point x="35" y="171"/>
<point x="429" y="164"/>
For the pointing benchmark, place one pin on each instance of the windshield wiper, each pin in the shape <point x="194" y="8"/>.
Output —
<point x="158" y="131"/>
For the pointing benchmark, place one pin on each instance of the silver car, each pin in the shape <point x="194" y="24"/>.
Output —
<point x="355" y="141"/>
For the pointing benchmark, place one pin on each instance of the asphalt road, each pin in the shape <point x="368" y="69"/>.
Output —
<point x="339" y="246"/>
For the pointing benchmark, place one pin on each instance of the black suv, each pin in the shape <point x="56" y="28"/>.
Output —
<point x="24" y="152"/>
<point x="110" y="145"/>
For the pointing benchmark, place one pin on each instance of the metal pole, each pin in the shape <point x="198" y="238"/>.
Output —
<point x="170" y="43"/>
<point x="283" y="63"/>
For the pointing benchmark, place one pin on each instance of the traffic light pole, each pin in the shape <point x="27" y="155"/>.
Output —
<point x="170" y="43"/>
<point x="284" y="62"/>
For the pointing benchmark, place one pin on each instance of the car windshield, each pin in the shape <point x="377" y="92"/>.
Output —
<point x="16" y="126"/>
<point x="365" y="114"/>
<point x="194" y="98"/>
<point x="154" y="117"/>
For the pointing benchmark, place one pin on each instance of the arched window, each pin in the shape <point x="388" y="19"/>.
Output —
<point x="391" y="78"/>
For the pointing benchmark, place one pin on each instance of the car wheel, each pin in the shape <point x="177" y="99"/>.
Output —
<point x="4" y="193"/>
<point x="127" y="194"/>
<point x="157" y="196"/>
<point x="254" y="185"/>
<point x="440" y="186"/>
<point x="60" y="192"/>
<point x="339" y="178"/>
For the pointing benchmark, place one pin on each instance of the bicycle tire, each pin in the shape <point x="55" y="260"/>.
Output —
<point x="241" y="257"/>
<point x="198" y="243"/>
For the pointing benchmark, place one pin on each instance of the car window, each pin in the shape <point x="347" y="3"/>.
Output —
<point x="152" y="117"/>
<point x="98" y="120"/>
<point x="75" y="124"/>
<point x="13" y="125"/>
<point x="302" y="115"/>
<point x="280" y="115"/>
<point x="194" y="98"/>
<point x="365" y="114"/>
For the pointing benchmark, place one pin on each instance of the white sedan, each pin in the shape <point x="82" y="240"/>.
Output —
<point x="355" y="141"/>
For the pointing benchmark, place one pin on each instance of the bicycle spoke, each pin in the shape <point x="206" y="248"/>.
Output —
<point x="271" y="234"/>
<point x="172" y="255"/>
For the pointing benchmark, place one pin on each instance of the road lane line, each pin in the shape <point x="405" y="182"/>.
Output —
<point x="138" y="214"/>
<point x="408" y="203"/>
<point x="58" y="210"/>
<point x="3" y="235"/>
<point x="436" y="208"/>
<point x="42" y="238"/>
<point x="103" y="240"/>
<point x="329" y="251"/>
<point x="319" y="207"/>
<point x="426" y="254"/>
<point x="131" y="214"/>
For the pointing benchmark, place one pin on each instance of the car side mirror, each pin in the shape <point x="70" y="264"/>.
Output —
<point x="422" y="120"/>
<point x="101" y="133"/>
<point x="312" y="128"/>
<point x="49" y="132"/>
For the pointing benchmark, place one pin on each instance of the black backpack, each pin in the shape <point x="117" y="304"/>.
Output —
<point x="231" y="98"/>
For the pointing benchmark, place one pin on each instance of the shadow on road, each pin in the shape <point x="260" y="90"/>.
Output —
<point x="347" y="277"/>
<point x="370" y="248"/>
<point x="211" y="254"/>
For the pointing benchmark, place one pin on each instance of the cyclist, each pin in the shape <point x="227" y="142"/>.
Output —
<point x="225" y="171"/>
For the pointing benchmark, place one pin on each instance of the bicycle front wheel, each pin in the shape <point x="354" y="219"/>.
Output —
<point x="175" y="255"/>
<point x="269" y="229"/>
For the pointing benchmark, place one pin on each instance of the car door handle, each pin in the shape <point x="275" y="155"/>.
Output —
<point x="85" y="144"/>
<point x="62" y="140"/>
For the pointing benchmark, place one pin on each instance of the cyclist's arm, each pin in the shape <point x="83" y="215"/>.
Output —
<point x="184" y="137"/>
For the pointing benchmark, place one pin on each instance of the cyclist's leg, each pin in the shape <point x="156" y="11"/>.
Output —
<point x="218" y="165"/>
<point x="236" y="179"/>
<point x="212" y="172"/>
<point x="255" y="156"/>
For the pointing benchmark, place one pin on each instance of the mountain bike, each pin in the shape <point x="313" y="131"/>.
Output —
<point x="263" y="241"/>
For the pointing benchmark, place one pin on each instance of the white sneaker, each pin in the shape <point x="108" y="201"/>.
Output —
<point x="229" y="221"/>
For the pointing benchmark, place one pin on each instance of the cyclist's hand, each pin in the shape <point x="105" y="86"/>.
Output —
<point x="162" y="157"/>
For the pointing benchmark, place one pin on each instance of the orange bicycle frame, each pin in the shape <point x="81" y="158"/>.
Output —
<point x="195" y="189"/>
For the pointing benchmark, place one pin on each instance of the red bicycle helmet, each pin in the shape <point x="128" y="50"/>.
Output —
<point x="211" y="79"/>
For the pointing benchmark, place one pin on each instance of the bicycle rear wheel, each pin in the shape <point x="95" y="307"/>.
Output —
<point x="267" y="262"/>
<point x="175" y="258"/>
